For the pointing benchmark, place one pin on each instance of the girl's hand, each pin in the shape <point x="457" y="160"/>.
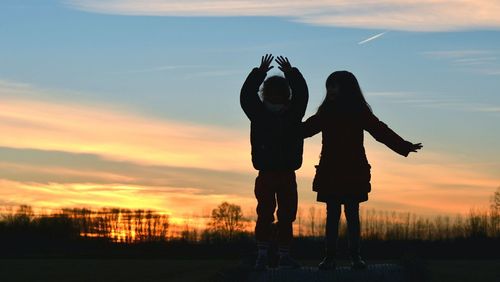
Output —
<point x="285" y="65"/>
<point x="415" y="147"/>
<point x="265" y="63"/>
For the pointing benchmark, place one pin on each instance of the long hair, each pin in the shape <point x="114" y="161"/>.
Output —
<point x="343" y="93"/>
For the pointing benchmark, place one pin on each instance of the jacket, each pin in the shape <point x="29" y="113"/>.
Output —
<point x="343" y="168"/>
<point x="276" y="137"/>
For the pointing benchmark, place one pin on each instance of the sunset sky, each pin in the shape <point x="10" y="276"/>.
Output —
<point x="135" y="104"/>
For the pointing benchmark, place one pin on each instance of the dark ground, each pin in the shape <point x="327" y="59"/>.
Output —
<point x="146" y="270"/>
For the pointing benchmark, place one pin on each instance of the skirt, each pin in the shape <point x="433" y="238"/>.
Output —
<point x="325" y="197"/>
<point x="341" y="186"/>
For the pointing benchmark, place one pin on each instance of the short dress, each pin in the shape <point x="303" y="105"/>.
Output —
<point x="346" y="188"/>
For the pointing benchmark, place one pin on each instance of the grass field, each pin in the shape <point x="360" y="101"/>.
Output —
<point x="114" y="270"/>
<point x="110" y="270"/>
<point x="464" y="270"/>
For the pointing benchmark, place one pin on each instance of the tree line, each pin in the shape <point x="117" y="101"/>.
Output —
<point x="227" y="222"/>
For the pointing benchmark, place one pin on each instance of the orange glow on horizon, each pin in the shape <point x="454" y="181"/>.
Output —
<point x="426" y="182"/>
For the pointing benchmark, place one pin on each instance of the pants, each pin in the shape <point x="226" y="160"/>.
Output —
<point x="333" y="210"/>
<point x="273" y="188"/>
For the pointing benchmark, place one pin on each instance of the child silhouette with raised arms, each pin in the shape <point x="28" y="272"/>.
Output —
<point x="343" y="174"/>
<point x="277" y="145"/>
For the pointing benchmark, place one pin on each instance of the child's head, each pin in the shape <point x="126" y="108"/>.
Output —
<point x="342" y="89"/>
<point x="342" y="84"/>
<point x="276" y="90"/>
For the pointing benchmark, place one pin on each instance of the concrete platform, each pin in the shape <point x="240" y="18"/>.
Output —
<point x="373" y="273"/>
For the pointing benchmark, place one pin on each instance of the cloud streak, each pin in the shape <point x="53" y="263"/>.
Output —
<point x="43" y="166"/>
<point x="426" y="15"/>
<point x="179" y="203"/>
<point x="159" y="69"/>
<point x="103" y="157"/>
<point x="428" y="100"/>
<point x="476" y="61"/>
<point x="372" y="38"/>
<point x="85" y="129"/>
<point x="434" y="182"/>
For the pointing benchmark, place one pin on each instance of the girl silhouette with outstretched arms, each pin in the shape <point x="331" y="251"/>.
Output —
<point x="343" y="174"/>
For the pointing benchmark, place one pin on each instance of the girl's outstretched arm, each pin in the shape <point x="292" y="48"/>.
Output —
<point x="383" y="134"/>
<point x="312" y="126"/>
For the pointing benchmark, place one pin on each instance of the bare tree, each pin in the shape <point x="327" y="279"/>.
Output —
<point x="312" y="220"/>
<point x="495" y="213"/>
<point x="299" y="221"/>
<point x="227" y="219"/>
<point x="495" y="201"/>
<point x="477" y="223"/>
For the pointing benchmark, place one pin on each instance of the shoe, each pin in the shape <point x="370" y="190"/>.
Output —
<point x="328" y="263"/>
<point x="288" y="262"/>
<point x="357" y="263"/>
<point x="261" y="263"/>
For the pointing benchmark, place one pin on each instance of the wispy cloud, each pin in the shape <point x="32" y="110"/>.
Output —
<point x="455" y="54"/>
<point x="49" y="166"/>
<point x="178" y="203"/>
<point x="478" y="61"/>
<point x="213" y="73"/>
<point x="195" y="71"/>
<point x="372" y="38"/>
<point x="488" y="109"/>
<point x="426" y="15"/>
<point x="430" y="100"/>
<point x="53" y="179"/>
<point x="431" y="182"/>
<point x="117" y="134"/>
<point x="389" y="94"/>
<point x="111" y="133"/>
<point x="475" y="61"/>
<point x="63" y="154"/>
<point x="159" y="69"/>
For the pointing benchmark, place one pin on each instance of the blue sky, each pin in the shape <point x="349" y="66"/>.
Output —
<point x="439" y="87"/>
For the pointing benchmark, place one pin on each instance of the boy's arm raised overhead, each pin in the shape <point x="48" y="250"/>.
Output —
<point x="300" y="93"/>
<point x="383" y="134"/>
<point x="249" y="95"/>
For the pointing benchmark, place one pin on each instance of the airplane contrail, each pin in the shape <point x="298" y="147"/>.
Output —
<point x="372" y="38"/>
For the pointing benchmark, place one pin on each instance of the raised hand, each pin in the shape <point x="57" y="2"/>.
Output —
<point x="415" y="147"/>
<point x="284" y="64"/>
<point x="265" y="63"/>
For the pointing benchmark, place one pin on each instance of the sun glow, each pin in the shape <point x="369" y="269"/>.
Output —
<point x="185" y="169"/>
